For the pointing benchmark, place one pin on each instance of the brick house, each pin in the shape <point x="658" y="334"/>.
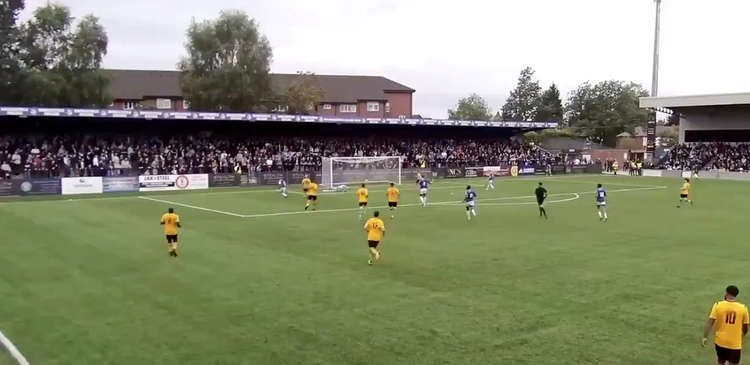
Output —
<point x="345" y="96"/>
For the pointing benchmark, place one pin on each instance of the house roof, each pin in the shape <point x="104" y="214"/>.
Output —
<point x="344" y="88"/>
<point x="136" y="84"/>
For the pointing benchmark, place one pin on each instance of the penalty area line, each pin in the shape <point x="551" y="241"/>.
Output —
<point x="192" y="206"/>
<point x="13" y="350"/>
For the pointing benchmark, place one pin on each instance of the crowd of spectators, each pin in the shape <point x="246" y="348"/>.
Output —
<point x="709" y="156"/>
<point x="53" y="156"/>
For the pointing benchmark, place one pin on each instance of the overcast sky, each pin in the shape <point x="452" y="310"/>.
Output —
<point x="449" y="49"/>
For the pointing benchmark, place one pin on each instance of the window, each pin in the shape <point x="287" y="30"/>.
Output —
<point x="162" y="103"/>
<point x="348" y="108"/>
<point x="327" y="106"/>
<point x="373" y="106"/>
<point x="129" y="105"/>
<point x="387" y="107"/>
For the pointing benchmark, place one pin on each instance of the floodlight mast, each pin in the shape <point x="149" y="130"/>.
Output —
<point x="655" y="72"/>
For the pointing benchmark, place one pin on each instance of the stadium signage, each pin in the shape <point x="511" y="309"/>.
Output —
<point x="120" y="184"/>
<point x="178" y="115"/>
<point x="170" y="115"/>
<point x="118" y="114"/>
<point x="82" y="185"/>
<point x="13" y="111"/>
<point x="473" y="171"/>
<point x="152" y="115"/>
<point x="172" y="182"/>
<point x="454" y="172"/>
<point x="36" y="187"/>
<point x="527" y="170"/>
<point x="225" y="180"/>
<point x="6" y="188"/>
<point x="496" y="171"/>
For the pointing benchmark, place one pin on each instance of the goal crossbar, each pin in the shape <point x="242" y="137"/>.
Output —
<point x="350" y="170"/>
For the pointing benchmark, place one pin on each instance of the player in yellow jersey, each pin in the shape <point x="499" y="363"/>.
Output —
<point x="306" y="183"/>
<point x="312" y="195"/>
<point x="731" y="320"/>
<point x="171" y="223"/>
<point x="362" y="195"/>
<point x="393" y="194"/>
<point x="375" y="229"/>
<point x="685" y="193"/>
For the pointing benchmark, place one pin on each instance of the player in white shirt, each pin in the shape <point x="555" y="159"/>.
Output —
<point x="282" y="187"/>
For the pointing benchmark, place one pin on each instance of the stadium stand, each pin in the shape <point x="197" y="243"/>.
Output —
<point x="709" y="156"/>
<point x="92" y="155"/>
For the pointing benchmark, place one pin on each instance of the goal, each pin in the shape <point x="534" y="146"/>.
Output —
<point x="351" y="170"/>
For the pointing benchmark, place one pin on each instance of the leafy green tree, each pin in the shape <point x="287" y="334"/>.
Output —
<point x="473" y="107"/>
<point x="227" y="64"/>
<point x="10" y="67"/>
<point x="523" y="101"/>
<point x="604" y="110"/>
<point x="61" y="66"/>
<point x="303" y="94"/>
<point x="550" y="106"/>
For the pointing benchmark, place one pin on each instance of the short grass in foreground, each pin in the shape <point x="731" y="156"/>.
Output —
<point x="90" y="281"/>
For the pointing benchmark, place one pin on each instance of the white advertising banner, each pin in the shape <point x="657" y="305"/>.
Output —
<point x="81" y="185"/>
<point x="172" y="182"/>
<point x="652" y="173"/>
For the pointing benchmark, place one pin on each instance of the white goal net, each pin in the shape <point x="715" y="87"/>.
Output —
<point x="351" y="170"/>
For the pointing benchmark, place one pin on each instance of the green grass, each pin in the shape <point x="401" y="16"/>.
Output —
<point x="88" y="281"/>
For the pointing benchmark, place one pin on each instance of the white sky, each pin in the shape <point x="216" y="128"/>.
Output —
<point x="448" y="49"/>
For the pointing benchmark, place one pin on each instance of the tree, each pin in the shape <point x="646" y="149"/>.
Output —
<point x="604" y="110"/>
<point x="61" y="67"/>
<point x="303" y="94"/>
<point x="523" y="101"/>
<point x="9" y="38"/>
<point x="227" y="64"/>
<point x="472" y="107"/>
<point x="550" y="106"/>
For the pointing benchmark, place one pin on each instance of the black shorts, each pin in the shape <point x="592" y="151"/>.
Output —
<point x="392" y="204"/>
<point x="362" y="204"/>
<point x="725" y="354"/>
<point x="540" y="202"/>
<point x="683" y="196"/>
<point x="171" y="238"/>
<point x="304" y="189"/>
<point x="373" y="244"/>
<point x="312" y="197"/>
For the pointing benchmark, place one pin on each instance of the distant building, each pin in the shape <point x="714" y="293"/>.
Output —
<point x="355" y="96"/>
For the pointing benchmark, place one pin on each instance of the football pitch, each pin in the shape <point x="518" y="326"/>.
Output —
<point x="261" y="281"/>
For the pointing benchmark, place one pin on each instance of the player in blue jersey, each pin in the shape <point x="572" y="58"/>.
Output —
<point x="423" y="184"/>
<point x="471" y="202"/>
<point x="491" y="181"/>
<point x="282" y="187"/>
<point x="601" y="202"/>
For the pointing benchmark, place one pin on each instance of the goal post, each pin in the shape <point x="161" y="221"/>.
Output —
<point x="353" y="170"/>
